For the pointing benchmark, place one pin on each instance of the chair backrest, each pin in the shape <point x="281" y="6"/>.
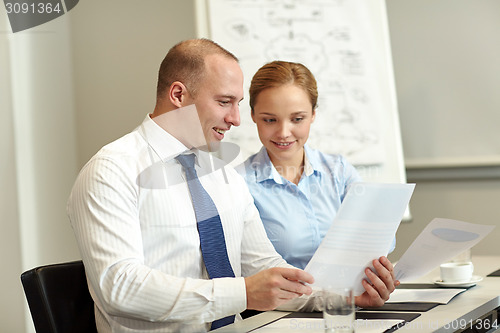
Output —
<point x="59" y="299"/>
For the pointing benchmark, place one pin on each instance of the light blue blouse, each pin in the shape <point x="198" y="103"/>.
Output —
<point x="297" y="217"/>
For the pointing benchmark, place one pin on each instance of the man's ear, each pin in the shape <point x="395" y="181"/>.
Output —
<point x="178" y="94"/>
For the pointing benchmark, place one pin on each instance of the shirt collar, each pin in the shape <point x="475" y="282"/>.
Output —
<point x="161" y="142"/>
<point x="167" y="147"/>
<point x="265" y="170"/>
<point x="313" y="163"/>
<point x="308" y="166"/>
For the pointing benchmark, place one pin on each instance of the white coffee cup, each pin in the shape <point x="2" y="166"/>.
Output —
<point x="454" y="272"/>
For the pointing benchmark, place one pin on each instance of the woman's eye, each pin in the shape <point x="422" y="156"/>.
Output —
<point x="298" y="119"/>
<point x="268" y="120"/>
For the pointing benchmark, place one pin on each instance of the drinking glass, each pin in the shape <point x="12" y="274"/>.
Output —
<point x="338" y="311"/>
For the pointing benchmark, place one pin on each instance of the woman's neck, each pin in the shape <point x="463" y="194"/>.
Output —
<point x="290" y="169"/>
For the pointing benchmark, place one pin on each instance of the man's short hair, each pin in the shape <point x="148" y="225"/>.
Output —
<point x="185" y="62"/>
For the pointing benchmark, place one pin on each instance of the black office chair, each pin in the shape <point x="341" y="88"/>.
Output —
<point x="59" y="299"/>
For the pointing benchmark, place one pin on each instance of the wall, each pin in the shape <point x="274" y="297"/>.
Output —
<point x="41" y="164"/>
<point x="117" y="50"/>
<point x="474" y="201"/>
<point x="11" y="302"/>
<point x="446" y="61"/>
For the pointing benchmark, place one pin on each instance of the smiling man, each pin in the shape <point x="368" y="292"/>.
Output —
<point x="147" y="252"/>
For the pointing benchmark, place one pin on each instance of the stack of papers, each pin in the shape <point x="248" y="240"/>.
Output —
<point x="440" y="296"/>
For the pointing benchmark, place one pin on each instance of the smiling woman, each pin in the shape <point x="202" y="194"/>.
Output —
<point x="298" y="190"/>
<point x="284" y="116"/>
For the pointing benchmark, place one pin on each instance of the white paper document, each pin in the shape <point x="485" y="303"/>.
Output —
<point x="313" y="325"/>
<point x="362" y="230"/>
<point x="441" y="296"/>
<point x="440" y="241"/>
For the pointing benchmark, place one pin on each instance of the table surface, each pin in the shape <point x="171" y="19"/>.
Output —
<point x="458" y="314"/>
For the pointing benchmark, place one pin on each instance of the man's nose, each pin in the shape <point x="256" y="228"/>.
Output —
<point x="233" y="117"/>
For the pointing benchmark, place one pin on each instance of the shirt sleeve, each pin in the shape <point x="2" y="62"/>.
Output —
<point x="350" y="174"/>
<point x="257" y="251"/>
<point x="103" y="210"/>
<point x="305" y="303"/>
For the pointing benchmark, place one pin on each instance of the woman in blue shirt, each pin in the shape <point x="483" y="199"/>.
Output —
<point x="298" y="190"/>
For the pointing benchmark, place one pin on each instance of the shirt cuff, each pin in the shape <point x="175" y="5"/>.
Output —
<point x="231" y="296"/>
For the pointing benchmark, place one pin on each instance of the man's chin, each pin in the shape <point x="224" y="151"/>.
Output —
<point x="212" y="146"/>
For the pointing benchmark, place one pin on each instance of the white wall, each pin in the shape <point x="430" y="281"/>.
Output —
<point x="446" y="57"/>
<point x="11" y="302"/>
<point x="41" y="158"/>
<point x="475" y="201"/>
<point x="117" y="50"/>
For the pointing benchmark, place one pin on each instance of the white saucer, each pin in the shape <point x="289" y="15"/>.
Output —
<point x="475" y="279"/>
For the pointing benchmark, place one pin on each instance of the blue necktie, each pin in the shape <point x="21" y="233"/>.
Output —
<point x="212" y="241"/>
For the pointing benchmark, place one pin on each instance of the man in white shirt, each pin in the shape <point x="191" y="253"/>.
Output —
<point x="135" y="224"/>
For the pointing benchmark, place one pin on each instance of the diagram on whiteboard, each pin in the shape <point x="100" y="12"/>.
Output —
<point x="333" y="39"/>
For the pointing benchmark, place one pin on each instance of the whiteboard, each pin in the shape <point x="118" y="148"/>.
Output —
<point x="345" y="43"/>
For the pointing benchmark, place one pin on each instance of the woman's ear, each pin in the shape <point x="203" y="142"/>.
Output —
<point x="252" y="113"/>
<point x="178" y="94"/>
<point x="313" y="115"/>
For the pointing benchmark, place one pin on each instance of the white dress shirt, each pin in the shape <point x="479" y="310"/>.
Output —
<point x="133" y="218"/>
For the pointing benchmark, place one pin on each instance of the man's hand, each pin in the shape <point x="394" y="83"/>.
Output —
<point x="272" y="287"/>
<point x="382" y="284"/>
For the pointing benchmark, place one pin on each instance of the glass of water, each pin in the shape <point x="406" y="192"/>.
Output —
<point x="338" y="311"/>
<point x="464" y="257"/>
